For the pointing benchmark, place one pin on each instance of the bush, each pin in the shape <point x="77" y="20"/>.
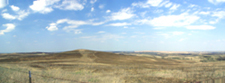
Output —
<point x="175" y="58"/>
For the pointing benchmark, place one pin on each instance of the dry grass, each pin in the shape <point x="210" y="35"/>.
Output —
<point x="102" y="67"/>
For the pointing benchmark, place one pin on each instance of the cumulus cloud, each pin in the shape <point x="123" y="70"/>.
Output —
<point x="219" y="14"/>
<point x="204" y="13"/>
<point x="70" y="5"/>
<point x="15" y="8"/>
<point x="9" y="27"/>
<point x="200" y="27"/>
<point x="123" y="14"/>
<point x="153" y="3"/>
<point x="92" y="9"/>
<point x="183" y="19"/>
<point x="93" y="1"/>
<point x="108" y="11"/>
<point x="52" y="27"/>
<point x="43" y="6"/>
<point x="20" y="15"/>
<point x="119" y="24"/>
<point x="175" y="6"/>
<point x="141" y="4"/>
<point x="216" y="1"/>
<point x="3" y="3"/>
<point x="46" y="6"/>
<point x="8" y="16"/>
<point x="71" y="25"/>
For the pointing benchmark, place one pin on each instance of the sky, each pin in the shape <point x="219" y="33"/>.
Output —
<point x="112" y="25"/>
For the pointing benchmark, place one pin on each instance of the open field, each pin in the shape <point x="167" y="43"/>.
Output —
<point x="85" y="66"/>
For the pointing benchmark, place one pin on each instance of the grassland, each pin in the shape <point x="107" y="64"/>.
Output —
<point x="86" y="66"/>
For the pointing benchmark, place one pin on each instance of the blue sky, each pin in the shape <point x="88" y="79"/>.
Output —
<point x="112" y="25"/>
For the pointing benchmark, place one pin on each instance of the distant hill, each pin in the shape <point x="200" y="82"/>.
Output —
<point x="93" y="56"/>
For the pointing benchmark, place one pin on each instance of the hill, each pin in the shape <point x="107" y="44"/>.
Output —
<point x="106" y="67"/>
<point x="91" y="56"/>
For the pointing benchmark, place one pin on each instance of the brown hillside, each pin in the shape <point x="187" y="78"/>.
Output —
<point x="93" y="57"/>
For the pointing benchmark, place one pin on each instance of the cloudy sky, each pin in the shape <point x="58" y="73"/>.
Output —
<point x="112" y="25"/>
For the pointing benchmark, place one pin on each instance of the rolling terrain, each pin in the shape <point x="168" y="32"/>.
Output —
<point x="107" y="67"/>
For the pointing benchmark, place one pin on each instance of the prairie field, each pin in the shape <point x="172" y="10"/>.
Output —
<point x="86" y="66"/>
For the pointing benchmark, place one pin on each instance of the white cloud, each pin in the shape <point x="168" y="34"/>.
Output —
<point x="87" y="37"/>
<point x="123" y="14"/>
<point x="5" y="10"/>
<point x="204" y="13"/>
<point x="8" y="16"/>
<point x="141" y="4"/>
<point x="158" y="11"/>
<point x="21" y="14"/>
<point x="168" y="5"/>
<point x="214" y="21"/>
<point x="101" y="32"/>
<point x="142" y="14"/>
<point x="70" y="5"/>
<point x="154" y="3"/>
<point x="158" y="28"/>
<point x="77" y="31"/>
<point x="170" y="34"/>
<point x="3" y="3"/>
<point x="164" y="2"/>
<point x="71" y="25"/>
<point x="119" y="24"/>
<point x="110" y="36"/>
<point x="15" y="8"/>
<point x="52" y="27"/>
<point x="216" y="1"/>
<point x="139" y="32"/>
<point x="108" y="11"/>
<point x="9" y="27"/>
<point x="101" y="6"/>
<point x="46" y="6"/>
<point x="166" y="35"/>
<point x="97" y="23"/>
<point x="103" y="37"/>
<point x="93" y="1"/>
<point x="183" y="19"/>
<point x="182" y="39"/>
<point x="192" y="5"/>
<point x="219" y="14"/>
<point x="175" y="6"/>
<point x="92" y="9"/>
<point x="177" y="33"/>
<point x="201" y="27"/>
<point x="43" y="6"/>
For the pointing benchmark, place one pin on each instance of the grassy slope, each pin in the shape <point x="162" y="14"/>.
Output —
<point x="102" y="67"/>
